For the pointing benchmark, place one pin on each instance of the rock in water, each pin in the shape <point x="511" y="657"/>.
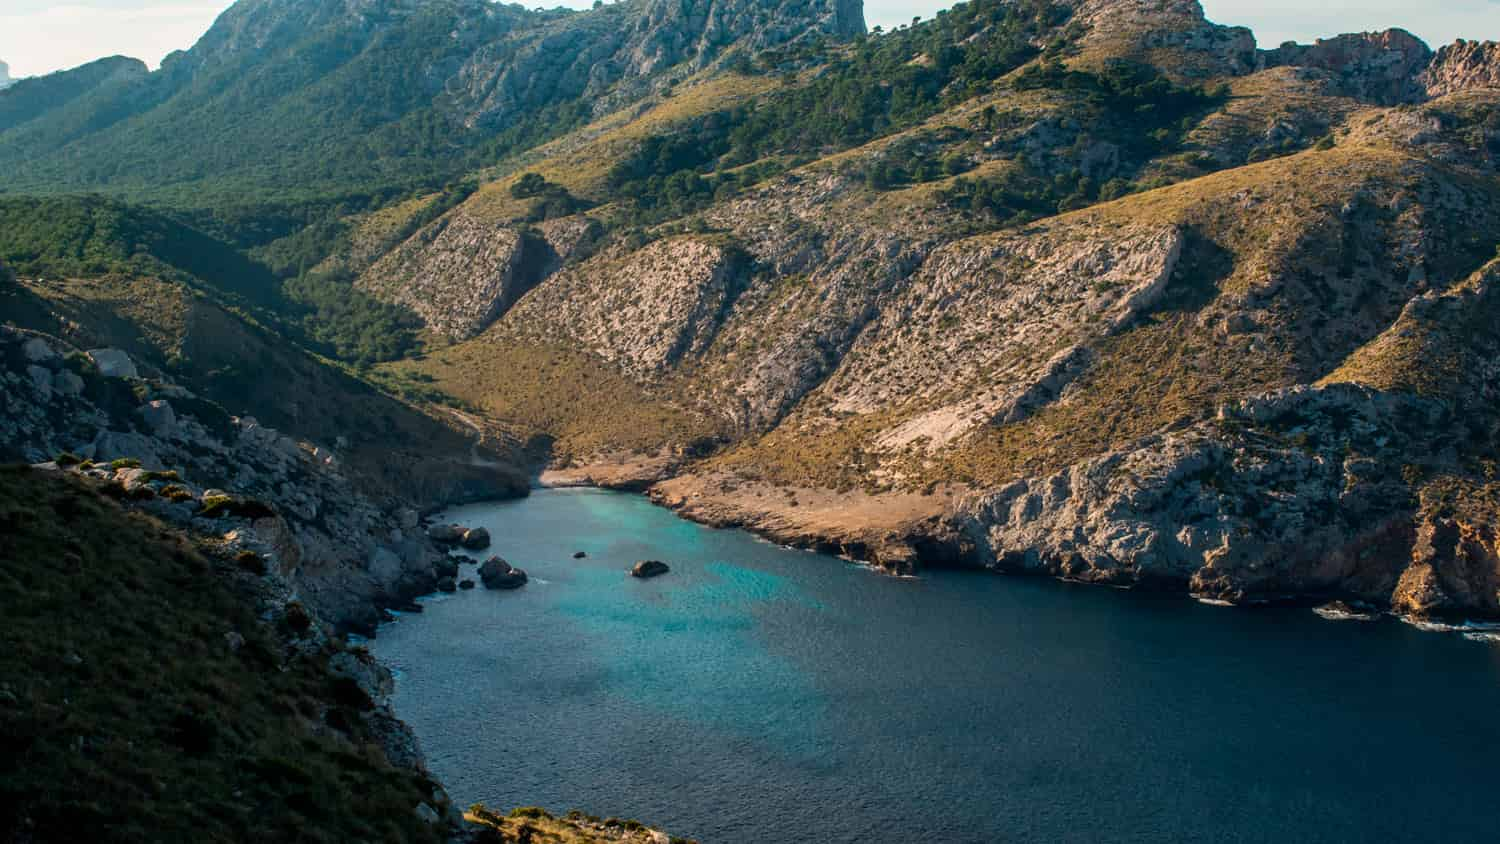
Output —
<point x="649" y="568"/>
<point x="466" y="584"/>
<point x="579" y="555"/>
<point x="498" y="574"/>
<point x="446" y="584"/>
<point x="476" y="539"/>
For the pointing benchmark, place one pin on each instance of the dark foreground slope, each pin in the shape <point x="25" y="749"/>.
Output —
<point x="142" y="699"/>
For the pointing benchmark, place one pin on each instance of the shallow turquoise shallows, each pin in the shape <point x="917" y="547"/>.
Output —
<point x="757" y="694"/>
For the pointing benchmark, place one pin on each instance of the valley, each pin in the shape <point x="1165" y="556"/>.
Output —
<point x="1095" y="290"/>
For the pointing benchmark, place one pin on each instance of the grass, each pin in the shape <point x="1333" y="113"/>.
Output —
<point x="125" y="715"/>
<point x="580" y="402"/>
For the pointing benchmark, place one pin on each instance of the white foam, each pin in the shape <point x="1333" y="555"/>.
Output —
<point x="1336" y="614"/>
<point x="1213" y="602"/>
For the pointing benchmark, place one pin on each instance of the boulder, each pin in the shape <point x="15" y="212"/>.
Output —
<point x="498" y="574"/>
<point x="41" y="380"/>
<point x="446" y="534"/>
<point x="649" y="568"/>
<point x="578" y="555"/>
<point x="475" y="539"/>
<point x="384" y="566"/>
<point x="447" y="584"/>
<point x="36" y="350"/>
<point x="159" y="418"/>
<point x="113" y="363"/>
<point x="466" y="584"/>
<point x="68" y="384"/>
<point x="445" y="567"/>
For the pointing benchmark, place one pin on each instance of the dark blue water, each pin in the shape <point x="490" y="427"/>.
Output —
<point x="758" y="695"/>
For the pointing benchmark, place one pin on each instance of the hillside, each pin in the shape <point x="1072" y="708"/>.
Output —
<point x="1091" y="288"/>
<point x="327" y="97"/>
<point x="1064" y="242"/>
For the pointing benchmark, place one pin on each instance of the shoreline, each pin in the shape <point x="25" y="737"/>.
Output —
<point x="904" y="549"/>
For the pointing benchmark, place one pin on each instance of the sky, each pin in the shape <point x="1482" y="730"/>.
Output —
<point x="41" y="36"/>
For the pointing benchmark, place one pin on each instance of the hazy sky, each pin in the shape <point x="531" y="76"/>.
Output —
<point x="40" y="36"/>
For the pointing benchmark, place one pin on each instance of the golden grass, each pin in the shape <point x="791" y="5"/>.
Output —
<point x="547" y="390"/>
<point x="581" y="160"/>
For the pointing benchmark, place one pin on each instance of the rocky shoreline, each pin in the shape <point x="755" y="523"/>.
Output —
<point x="1384" y="568"/>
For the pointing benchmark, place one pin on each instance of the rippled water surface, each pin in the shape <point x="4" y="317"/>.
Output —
<point x="756" y="694"/>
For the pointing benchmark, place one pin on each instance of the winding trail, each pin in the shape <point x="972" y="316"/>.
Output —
<point x="474" y="458"/>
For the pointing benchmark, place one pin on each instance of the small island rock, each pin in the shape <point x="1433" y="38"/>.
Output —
<point x="579" y="555"/>
<point x="498" y="574"/>
<point x="649" y="568"/>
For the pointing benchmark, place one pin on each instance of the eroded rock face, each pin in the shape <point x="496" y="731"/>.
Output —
<point x="1203" y="48"/>
<point x="1380" y="67"/>
<point x="1463" y="66"/>
<point x="319" y="542"/>
<point x="646" y="310"/>
<point x="1294" y="493"/>
<point x="459" y="274"/>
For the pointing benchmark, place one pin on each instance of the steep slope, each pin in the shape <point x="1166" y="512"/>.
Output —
<point x="1080" y="319"/>
<point x="144" y="699"/>
<point x="305" y="99"/>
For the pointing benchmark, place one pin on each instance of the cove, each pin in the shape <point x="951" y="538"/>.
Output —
<point x="759" y="694"/>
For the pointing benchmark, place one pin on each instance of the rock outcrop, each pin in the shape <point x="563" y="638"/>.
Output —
<point x="288" y="503"/>
<point x="1463" y="66"/>
<point x="458" y="274"/>
<point x="649" y="568"/>
<point x="5" y="80"/>
<point x="1380" y="67"/>
<point x="496" y="573"/>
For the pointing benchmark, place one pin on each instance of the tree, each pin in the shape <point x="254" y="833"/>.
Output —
<point x="529" y="185"/>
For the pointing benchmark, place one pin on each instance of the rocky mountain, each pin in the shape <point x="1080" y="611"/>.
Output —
<point x="1029" y="329"/>
<point x="325" y="97"/>
<point x="1093" y="289"/>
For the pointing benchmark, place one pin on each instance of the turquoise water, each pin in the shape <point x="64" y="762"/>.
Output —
<point x="757" y="694"/>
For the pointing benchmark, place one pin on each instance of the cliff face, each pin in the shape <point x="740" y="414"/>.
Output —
<point x="1463" y="66"/>
<point x="1380" y="67"/>
<point x="249" y="487"/>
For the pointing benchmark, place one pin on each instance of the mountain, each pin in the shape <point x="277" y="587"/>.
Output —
<point x="305" y="98"/>
<point x="1093" y="289"/>
<point x="1068" y="288"/>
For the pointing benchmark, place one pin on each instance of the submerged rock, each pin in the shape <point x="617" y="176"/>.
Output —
<point x="466" y="584"/>
<point x="498" y="574"/>
<point x="649" y="568"/>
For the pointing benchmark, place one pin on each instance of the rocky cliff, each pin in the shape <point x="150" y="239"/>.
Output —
<point x="5" y="80"/>
<point x="1194" y="383"/>
<point x="1463" y="66"/>
<point x="250" y="488"/>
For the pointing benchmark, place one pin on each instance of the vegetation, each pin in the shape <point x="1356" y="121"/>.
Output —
<point x="872" y="88"/>
<point x="127" y="716"/>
